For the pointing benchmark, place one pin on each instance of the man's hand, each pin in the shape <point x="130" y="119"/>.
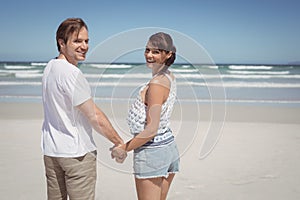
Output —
<point x="118" y="153"/>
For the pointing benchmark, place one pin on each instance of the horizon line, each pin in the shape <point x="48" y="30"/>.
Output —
<point x="181" y="63"/>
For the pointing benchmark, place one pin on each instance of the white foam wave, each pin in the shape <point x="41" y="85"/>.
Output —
<point x="240" y="101"/>
<point x="194" y="76"/>
<point x="261" y="76"/>
<point x="114" y="84"/>
<point x="30" y="75"/>
<point x="234" y="76"/>
<point x="242" y="84"/>
<point x="11" y="83"/>
<point x="143" y="76"/>
<point x="15" y="71"/>
<point x="38" y="64"/>
<point x="20" y="97"/>
<point x="15" y="67"/>
<point x="38" y="73"/>
<point x="262" y="101"/>
<point x="260" y="72"/>
<point x="110" y="66"/>
<point x="267" y="101"/>
<point x="119" y="76"/>
<point x="185" y="83"/>
<point x="259" y="67"/>
<point x="22" y="73"/>
<point x="210" y="66"/>
<point x="184" y="70"/>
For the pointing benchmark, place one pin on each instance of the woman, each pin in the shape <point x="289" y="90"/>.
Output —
<point x="156" y="158"/>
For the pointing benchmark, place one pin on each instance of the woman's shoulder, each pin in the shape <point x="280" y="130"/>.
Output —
<point x="164" y="79"/>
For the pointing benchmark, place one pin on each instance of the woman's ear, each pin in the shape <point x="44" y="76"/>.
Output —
<point x="169" y="54"/>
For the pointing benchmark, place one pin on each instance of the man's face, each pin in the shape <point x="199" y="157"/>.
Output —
<point x="76" y="47"/>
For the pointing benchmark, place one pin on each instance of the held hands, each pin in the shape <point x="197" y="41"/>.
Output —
<point x="118" y="153"/>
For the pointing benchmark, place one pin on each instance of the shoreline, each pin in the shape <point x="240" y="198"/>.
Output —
<point x="267" y="113"/>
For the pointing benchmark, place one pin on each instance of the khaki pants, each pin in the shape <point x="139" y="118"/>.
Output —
<point x="75" y="177"/>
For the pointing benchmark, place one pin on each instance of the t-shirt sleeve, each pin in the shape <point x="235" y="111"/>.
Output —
<point x="82" y="90"/>
<point x="76" y="88"/>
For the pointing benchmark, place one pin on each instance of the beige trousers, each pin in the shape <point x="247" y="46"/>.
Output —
<point x="73" y="177"/>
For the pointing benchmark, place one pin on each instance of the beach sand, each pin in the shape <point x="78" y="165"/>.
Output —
<point x="256" y="156"/>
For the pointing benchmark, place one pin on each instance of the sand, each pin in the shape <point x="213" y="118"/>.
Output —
<point x="256" y="156"/>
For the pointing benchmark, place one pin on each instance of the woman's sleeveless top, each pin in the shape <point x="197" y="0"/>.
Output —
<point x="137" y="117"/>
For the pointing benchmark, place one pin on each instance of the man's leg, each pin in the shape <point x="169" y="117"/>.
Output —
<point x="80" y="175"/>
<point x="56" y="187"/>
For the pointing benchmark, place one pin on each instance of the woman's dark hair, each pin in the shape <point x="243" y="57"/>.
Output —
<point x="163" y="42"/>
<point x="67" y="28"/>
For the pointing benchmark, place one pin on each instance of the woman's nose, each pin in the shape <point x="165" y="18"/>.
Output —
<point x="148" y="54"/>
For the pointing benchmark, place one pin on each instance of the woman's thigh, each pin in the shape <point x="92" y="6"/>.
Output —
<point x="149" y="189"/>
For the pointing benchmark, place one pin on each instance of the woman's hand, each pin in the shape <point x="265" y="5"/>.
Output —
<point x="118" y="153"/>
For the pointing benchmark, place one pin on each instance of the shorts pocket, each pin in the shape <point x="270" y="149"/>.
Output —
<point x="139" y="161"/>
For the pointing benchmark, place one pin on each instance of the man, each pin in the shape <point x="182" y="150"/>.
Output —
<point x="69" y="116"/>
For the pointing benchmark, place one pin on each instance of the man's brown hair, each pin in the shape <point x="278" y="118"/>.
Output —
<point x="67" y="28"/>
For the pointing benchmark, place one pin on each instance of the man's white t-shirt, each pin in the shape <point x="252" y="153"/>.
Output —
<point x="66" y="131"/>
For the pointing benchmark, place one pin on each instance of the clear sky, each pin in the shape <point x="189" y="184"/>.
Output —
<point x="231" y="31"/>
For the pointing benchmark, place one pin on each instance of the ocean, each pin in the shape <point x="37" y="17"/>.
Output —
<point x="220" y="83"/>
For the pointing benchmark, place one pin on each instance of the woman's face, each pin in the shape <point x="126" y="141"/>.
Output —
<point x="155" y="57"/>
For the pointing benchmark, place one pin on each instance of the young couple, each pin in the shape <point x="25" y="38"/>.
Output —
<point x="70" y="114"/>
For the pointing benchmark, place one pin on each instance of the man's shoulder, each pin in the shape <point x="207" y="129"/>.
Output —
<point x="64" y="65"/>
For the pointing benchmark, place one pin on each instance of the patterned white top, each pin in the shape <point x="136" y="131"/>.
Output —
<point x="137" y="117"/>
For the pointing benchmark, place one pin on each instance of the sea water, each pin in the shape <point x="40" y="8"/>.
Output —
<point x="225" y="83"/>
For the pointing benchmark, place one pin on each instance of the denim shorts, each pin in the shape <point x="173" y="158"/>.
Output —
<point x="156" y="162"/>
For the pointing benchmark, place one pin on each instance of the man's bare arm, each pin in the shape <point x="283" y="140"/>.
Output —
<point x="99" y="121"/>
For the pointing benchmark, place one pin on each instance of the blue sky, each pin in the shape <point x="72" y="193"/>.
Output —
<point x="231" y="31"/>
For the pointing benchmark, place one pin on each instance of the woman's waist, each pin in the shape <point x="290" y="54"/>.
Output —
<point x="160" y="139"/>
